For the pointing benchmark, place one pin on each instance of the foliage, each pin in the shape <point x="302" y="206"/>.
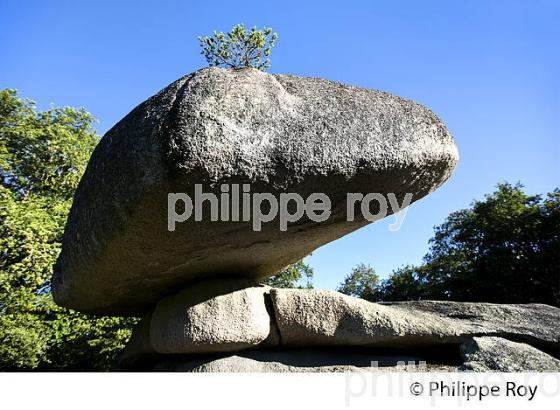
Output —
<point x="504" y="249"/>
<point x="43" y="153"/>
<point x="405" y="283"/>
<point x="239" y="48"/>
<point x="361" y="282"/>
<point x="292" y="277"/>
<point x="42" y="157"/>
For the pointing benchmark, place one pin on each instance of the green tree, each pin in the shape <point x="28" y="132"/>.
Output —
<point x="406" y="283"/>
<point x="239" y="48"/>
<point x="504" y="249"/>
<point x="42" y="157"/>
<point x="297" y="275"/>
<point x="361" y="282"/>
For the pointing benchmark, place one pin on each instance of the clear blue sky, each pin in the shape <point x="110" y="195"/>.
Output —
<point x="489" y="69"/>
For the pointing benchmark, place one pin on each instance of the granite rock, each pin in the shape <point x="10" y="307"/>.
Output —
<point x="278" y="133"/>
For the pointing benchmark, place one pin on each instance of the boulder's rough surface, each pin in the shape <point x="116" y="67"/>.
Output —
<point x="482" y="354"/>
<point x="278" y="133"/>
<point x="533" y="323"/>
<point x="325" y="318"/>
<point x="190" y="322"/>
<point x="216" y="315"/>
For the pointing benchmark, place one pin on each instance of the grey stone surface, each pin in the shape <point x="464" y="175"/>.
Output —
<point x="221" y="315"/>
<point x="326" y="318"/>
<point x="218" y="315"/>
<point x="479" y="354"/>
<point x="534" y="323"/>
<point x="278" y="133"/>
<point x="300" y="361"/>
<point x="483" y="354"/>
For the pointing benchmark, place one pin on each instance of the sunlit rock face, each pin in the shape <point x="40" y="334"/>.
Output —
<point x="277" y="133"/>
<point x="257" y="328"/>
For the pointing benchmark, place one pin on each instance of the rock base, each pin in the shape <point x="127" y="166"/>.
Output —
<point x="228" y="325"/>
<point x="302" y="361"/>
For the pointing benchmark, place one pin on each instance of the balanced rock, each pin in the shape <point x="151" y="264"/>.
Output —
<point x="276" y="133"/>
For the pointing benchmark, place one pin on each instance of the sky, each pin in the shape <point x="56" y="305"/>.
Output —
<point x="489" y="69"/>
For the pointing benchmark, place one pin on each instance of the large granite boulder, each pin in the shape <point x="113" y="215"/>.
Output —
<point x="278" y="133"/>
